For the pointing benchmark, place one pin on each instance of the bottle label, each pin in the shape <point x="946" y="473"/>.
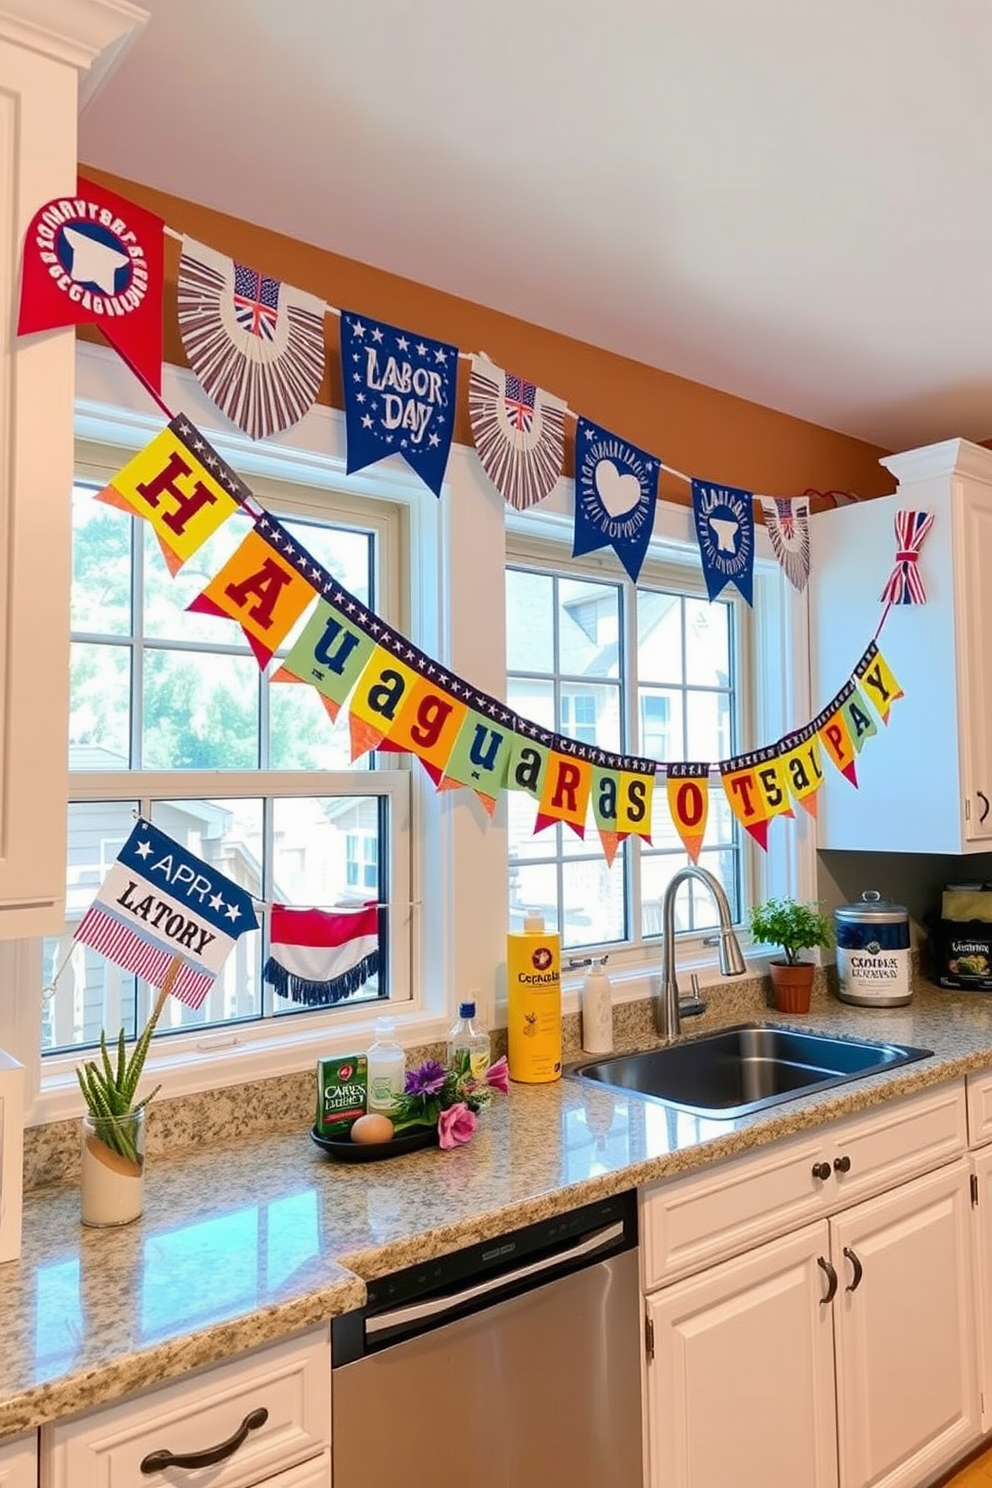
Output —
<point x="478" y="1062"/>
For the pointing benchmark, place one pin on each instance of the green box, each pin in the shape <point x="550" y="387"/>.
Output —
<point x="342" y="1092"/>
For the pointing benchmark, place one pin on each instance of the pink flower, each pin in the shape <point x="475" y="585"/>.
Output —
<point x="456" y="1125"/>
<point x="498" y="1076"/>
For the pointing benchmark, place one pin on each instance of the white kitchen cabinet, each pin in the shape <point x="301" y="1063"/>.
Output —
<point x="837" y="1352"/>
<point x="925" y="781"/>
<point x="19" y="1462"/>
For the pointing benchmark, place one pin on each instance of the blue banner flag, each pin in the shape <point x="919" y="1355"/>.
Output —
<point x="724" y="518"/>
<point x="399" y="396"/>
<point x="616" y="491"/>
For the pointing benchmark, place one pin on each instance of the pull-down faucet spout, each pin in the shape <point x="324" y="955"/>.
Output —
<point x="667" y="1021"/>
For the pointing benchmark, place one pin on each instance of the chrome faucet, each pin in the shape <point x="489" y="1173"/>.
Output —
<point x="667" y="1019"/>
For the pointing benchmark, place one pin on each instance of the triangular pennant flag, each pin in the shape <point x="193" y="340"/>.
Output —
<point x="605" y="798"/>
<point x="330" y="653"/>
<point x="519" y="433"/>
<point x="621" y="798"/>
<point x="688" y="801"/>
<point x="530" y="751"/>
<point x="262" y="589"/>
<point x="876" y="678"/>
<point x="772" y="781"/>
<point x="724" y="520"/>
<point x="787" y="525"/>
<point x="616" y="492"/>
<point x="567" y="786"/>
<point x="428" y="725"/>
<point x="747" y="800"/>
<point x="800" y="753"/>
<point x="480" y="757"/>
<point x="859" y="720"/>
<point x="181" y="486"/>
<point x="97" y="259"/>
<point x="378" y="696"/>
<point x="833" y="729"/>
<point x="399" y="396"/>
<point x="256" y="344"/>
<point x="318" y="957"/>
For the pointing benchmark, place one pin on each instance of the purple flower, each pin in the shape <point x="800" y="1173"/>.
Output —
<point x="498" y="1076"/>
<point x="456" y="1125"/>
<point x="426" y="1079"/>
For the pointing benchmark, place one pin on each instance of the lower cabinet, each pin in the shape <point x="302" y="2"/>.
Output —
<point x="843" y="1353"/>
<point x="19" y="1462"/>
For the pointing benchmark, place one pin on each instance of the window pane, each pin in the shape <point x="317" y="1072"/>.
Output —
<point x="661" y="734"/>
<point x="166" y="597"/>
<point x="659" y="637"/>
<point x="99" y="707"/>
<point x="593" y="898"/>
<point x="347" y="555"/>
<point x="709" y="731"/>
<point x="591" y="714"/>
<point x="101" y="566"/>
<point x="529" y="621"/>
<point x="707" y="643"/>
<point x="589" y="629"/>
<point x="302" y="735"/>
<point x="200" y="711"/>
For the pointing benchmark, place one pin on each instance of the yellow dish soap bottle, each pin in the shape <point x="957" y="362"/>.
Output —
<point x="533" y="1003"/>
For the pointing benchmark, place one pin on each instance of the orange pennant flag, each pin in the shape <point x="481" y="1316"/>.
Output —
<point x="747" y="800"/>
<point x="260" y="589"/>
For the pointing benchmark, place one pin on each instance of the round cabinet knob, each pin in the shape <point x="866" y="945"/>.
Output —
<point x="821" y="1170"/>
<point x="842" y="1164"/>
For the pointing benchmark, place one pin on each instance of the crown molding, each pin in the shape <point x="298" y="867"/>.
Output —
<point x="90" y="35"/>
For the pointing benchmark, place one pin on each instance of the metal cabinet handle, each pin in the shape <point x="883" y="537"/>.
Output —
<point x="985" y="805"/>
<point x="856" y="1267"/>
<point x="159" y="1461"/>
<point x="831" y="1274"/>
<point x="821" y="1170"/>
<point x="842" y="1164"/>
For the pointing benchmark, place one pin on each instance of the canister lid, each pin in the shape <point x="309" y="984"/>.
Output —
<point x="871" y="909"/>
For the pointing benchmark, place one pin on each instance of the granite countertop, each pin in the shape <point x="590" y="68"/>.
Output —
<point x="249" y="1241"/>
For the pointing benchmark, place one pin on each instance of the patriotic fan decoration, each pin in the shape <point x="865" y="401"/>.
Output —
<point x="787" y="525"/>
<point x="519" y="433"/>
<point x="904" y="585"/>
<point x="256" y="344"/>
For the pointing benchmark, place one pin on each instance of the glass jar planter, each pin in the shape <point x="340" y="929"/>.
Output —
<point x="112" y="1168"/>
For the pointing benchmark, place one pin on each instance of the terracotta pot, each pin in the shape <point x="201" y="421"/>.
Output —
<point x="792" y="985"/>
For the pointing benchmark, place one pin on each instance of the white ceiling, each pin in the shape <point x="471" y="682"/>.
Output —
<point x="790" y="200"/>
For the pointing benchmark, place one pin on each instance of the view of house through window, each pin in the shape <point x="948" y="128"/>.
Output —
<point x="172" y="717"/>
<point x="650" y="671"/>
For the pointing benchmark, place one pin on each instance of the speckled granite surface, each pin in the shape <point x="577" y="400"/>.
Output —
<point x="247" y="1241"/>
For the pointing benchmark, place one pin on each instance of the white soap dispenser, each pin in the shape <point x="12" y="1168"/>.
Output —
<point x="597" y="1008"/>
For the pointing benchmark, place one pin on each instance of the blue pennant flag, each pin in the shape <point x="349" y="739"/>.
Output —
<point x="399" y="396"/>
<point x="616" y="491"/>
<point x="725" y="532"/>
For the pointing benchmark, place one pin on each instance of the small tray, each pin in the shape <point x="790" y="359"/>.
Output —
<point x="345" y="1150"/>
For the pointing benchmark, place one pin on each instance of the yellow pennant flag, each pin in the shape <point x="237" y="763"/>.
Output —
<point x="803" y="765"/>
<point x="688" y="788"/>
<point x="374" y="707"/>
<point x="181" y="486"/>
<point x="876" y="678"/>
<point x="265" y="592"/>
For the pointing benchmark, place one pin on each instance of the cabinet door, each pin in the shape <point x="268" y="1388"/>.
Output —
<point x="740" y="1386"/>
<point x="981" y="1249"/>
<point x="973" y="539"/>
<point x="19" y="1462"/>
<point x="907" y="1397"/>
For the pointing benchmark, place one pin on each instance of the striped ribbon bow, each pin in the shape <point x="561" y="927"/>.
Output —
<point x="904" y="585"/>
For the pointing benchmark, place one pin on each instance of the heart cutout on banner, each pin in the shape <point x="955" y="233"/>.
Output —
<point x="618" y="492"/>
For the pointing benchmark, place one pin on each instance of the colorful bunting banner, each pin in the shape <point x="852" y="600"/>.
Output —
<point x="519" y="433"/>
<point x="256" y="344"/>
<point x="96" y="259"/>
<point x="688" y="787"/>
<point x="616" y="491"/>
<point x="787" y="525"/>
<point x="399" y="396"/>
<point x="181" y="486"/>
<point x="724" y="519"/>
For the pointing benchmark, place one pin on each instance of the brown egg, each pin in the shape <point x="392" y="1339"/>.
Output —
<point x="372" y="1128"/>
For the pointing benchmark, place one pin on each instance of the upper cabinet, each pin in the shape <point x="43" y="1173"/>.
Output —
<point x="45" y="52"/>
<point x="925" y="783"/>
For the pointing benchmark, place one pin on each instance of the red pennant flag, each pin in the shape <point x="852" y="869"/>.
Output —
<point x="97" y="259"/>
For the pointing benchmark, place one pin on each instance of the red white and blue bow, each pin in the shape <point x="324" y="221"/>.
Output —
<point x="904" y="585"/>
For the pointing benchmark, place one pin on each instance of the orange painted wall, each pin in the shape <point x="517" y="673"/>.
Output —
<point x="693" y="428"/>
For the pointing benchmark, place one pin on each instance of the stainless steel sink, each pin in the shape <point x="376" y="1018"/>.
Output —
<point x="743" y="1069"/>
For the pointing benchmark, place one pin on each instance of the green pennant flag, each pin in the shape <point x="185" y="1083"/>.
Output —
<point x="331" y="653"/>
<point x="530" y="750"/>
<point x="480" y="757"/>
<point x="859" y="719"/>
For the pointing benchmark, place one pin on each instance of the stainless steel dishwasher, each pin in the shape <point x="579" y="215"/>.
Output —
<point x="509" y="1364"/>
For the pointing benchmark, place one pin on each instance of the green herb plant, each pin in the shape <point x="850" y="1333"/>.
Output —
<point x="109" y="1089"/>
<point x="793" y="926"/>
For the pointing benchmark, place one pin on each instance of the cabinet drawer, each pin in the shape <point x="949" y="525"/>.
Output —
<point x="692" y="1222"/>
<point x="19" y="1462"/>
<point x="291" y="1381"/>
<point x="979" y="1088"/>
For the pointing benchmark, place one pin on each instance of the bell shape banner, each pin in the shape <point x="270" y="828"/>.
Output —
<point x="724" y="518"/>
<point x="616" y="492"/>
<point x="787" y="525"/>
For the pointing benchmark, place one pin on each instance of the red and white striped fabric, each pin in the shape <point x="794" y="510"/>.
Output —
<point x="904" y="585"/>
<point x="319" y="956"/>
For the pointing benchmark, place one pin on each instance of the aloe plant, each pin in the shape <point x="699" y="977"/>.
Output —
<point x="109" y="1088"/>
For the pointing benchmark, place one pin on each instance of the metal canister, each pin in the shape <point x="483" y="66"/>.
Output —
<point x="873" y="952"/>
